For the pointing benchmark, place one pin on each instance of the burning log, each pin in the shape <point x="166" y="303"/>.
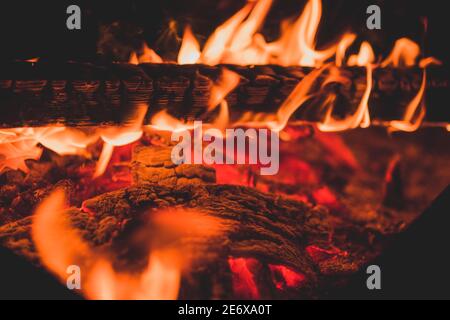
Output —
<point x="269" y="235"/>
<point x="232" y="235"/>
<point x="42" y="93"/>
<point x="154" y="165"/>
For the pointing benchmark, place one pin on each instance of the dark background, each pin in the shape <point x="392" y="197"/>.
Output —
<point x="35" y="28"/>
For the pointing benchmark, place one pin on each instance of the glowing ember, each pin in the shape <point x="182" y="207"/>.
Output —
<point x="319" y="254"/>
<point x="244" y="284"/>
<point x="284" y="277"/>
<point x="326" y="197"/>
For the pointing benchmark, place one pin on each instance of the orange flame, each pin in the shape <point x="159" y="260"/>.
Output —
<point x="14" y="154"/>
<point x="235" y="41"/>
<point x="160" y="280"/>
<point x="59" y="246"/>
<point x="133" y="59"/>
<point x="32" y="60"/>
<point x="297" y="44"/>
<point x="342" y="47"/>
<point x="163" y="121"/>
<point x="364" y="57"/>
<point x="216" y="44"/>
<point x="409" y="124"/>
<point x="361" y="117"/>
<point x="120" y="136"/>
<point x="296" y="99"/>
<point x="404" y="53"/>
<point x="147" y="56"/>
<point x="429" y="61"/>
<point x="18" y="145"/>
<point x="190" y="48"/>
<point x="244" y="34"/>
<point x="227" y="82"/>
<point x="223" y="118"/>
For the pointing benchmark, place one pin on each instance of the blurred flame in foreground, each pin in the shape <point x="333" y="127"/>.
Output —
<point x="60" y="245"/>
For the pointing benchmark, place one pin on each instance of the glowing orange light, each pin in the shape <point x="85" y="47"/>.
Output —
<point x="404" y="53"/>
<point x="227" y="82"/>
<point x="190" y="48"/>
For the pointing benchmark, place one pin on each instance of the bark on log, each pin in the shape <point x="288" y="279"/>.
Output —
<point x="270" y="229"/>
<point x="42" y="93"/>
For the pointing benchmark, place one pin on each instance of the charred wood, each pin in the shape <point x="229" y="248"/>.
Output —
<point x="42" y="93"/>
<point x="265" y="227"/>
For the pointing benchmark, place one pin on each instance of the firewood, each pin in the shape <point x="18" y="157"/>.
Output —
<point x="270" y="229"/>
<point x="154" y="165"/>
<point x="263" y="229"/>
<point x="42" y="93"/>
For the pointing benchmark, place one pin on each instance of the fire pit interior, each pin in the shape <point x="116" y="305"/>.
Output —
<point x="88" y="178"/>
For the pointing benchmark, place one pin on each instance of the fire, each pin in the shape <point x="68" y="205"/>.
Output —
<point x="133" y="59"/>
<point x="297" y="45"/>
<point x="162" y="121"/>
<point x="147" y="56"/>
<point x="227" y="82"/>
<point x="18" y="145"/>
<point x="33" y="60"/>
<point x="237" y="41"/>
<point x="298" y="96"/>
<point x="244" y="285"/>
<point x="190" y="48"/>
<point x="13" y="154"/>
<point x="344" y="44"/>
<point x="159" y="281"/>
<point x="245" y="32"/>
<point x="364" y="57"/>
<point x="59" y="246"/>
<point x="409" y="124"/>
<point x="216" y="44"/>
<point x="405" y="53"/>
<point x="62" y="246"/>
<point x="120" y="136"/>
<point x="361" y="117"/>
